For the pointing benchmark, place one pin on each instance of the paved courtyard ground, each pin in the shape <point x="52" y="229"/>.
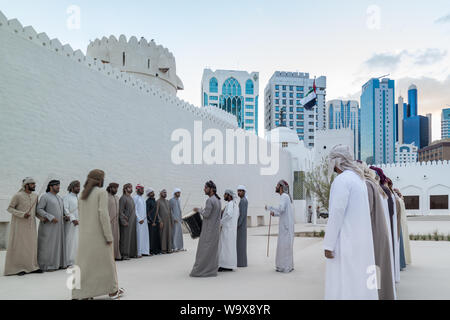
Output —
<point x="167" y="276"/>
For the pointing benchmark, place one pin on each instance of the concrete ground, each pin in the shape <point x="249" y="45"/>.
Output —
<point x="167" y="276"/>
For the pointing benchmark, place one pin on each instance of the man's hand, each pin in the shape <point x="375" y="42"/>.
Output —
<point x="27" y="215"/>
<point x="66" y="218"/>
<point x="109" y="243"/>
<point x="272" y="214"/>
<point x="196" y="210"/>
<point x="141" y="222"/>
<point x="161" y="225"/>
<point x="55" y="221"/>
<point x="329" y="254"/>
<point x="75" y="222"/>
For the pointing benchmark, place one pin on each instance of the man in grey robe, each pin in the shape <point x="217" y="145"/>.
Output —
<point x="166" y="222"/>
<point x="177" y="231"/>
<point x="127" y="218"/>
<point x="380" y="233"/>
<point x="241" y="241"/>
<point x="51" y="248"/>
<point x="207" y="257"/>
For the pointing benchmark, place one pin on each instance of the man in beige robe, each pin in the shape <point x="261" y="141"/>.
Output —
<point x="95" y="257"/>
<point x="381" y="237"/>
<point x="166" y="222"/>
<point x="21" y="257"/>
<point x="404" y="225"/>
<point x="113" y="208"/>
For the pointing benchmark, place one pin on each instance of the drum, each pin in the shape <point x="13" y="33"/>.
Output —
<point x="193" y="222"/>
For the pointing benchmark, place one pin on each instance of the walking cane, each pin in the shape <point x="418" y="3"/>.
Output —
<point x="268" y="235"/>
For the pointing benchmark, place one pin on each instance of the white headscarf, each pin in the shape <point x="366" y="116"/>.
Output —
<point x="243" y="188"/>
<point x="341" y="157"/>
<point x="176" y="190"/>
<point x="231" y="193"/>
<point x="149" y="190"/>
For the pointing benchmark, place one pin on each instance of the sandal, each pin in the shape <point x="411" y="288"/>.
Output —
<point x="118" y="294"/>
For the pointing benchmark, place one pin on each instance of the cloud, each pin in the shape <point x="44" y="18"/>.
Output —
<point x="392" y="61"/>
<point x="385" y="60"/>
<point x="429" y="56"/>
<point x="444" y="19"/>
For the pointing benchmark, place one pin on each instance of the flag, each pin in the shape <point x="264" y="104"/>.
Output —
<point x="310" y="100"/>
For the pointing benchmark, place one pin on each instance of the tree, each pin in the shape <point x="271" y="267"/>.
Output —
<point x="316" y="182"/>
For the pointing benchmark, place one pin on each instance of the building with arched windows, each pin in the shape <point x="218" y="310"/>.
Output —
<point x="235" y="92"/>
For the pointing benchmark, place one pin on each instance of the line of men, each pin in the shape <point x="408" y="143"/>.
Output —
<point x="55" y="245"/>
<point x="139" y="227"/>
<point x="144" y="227"/>
<point x="367" y="240"/>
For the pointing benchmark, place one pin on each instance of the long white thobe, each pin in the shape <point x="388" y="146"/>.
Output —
<point x="228" y="236"/>
<point x="71" y="230"/>
<point x="143" y="240"/>
<point x="349" y="236"/>
<point x="285" y="245"/>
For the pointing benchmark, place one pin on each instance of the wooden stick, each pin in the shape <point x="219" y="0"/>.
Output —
<point x="268" y="235"/>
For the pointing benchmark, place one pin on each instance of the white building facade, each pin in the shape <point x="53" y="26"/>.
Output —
<point x="424" y="185"/>
<point x="406" y="153"/>
<point x="345" y="114"/>
<point x="87" y="114"/>
<point x="236" y="92"/>
<point x="282" y="97"/>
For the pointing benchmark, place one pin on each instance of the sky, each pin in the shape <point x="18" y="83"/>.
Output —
<point x="349" y="42"/>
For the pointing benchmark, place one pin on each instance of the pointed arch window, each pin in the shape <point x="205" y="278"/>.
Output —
<point x="213" y="86"/>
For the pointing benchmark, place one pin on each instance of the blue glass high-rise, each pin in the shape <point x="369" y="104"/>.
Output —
<point x="378" y="121"/>
<point x="415" y="130"/>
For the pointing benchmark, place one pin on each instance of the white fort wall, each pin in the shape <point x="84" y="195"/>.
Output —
<point x="62" y="114"/>
<point x="422" y="180"/>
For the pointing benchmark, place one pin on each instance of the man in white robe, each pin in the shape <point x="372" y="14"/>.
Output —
<point x="71" y="221"/>
<point x="285" y="246"/>
<point x="348" y="243"/>
<point x="228" y="233"/>
<point x="143" y="242"/>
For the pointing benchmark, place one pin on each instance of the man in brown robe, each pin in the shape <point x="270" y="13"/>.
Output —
<point x="95" y="259"/>
<point x="127" y="218"/>
<point x="207" y="256"/>
<point x="380" y="233"/>
<point x="21" y="257"/>
<point x="113" y="209"/>
<point x="166" y="222"/>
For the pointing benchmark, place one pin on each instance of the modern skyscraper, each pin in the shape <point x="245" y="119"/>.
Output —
<point x="445" y="124"/>
<point x="401" y="108"/>
<point x="282" y="97"/>
<point x="378" y="121"/>
<point x="345" y="114"/>
<point x="412" y="101"/>
<point x="415" y="130"/>
<point x="415" y="127"/>
<point x="430" y="128"/>
<point x="236" y="92"/>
